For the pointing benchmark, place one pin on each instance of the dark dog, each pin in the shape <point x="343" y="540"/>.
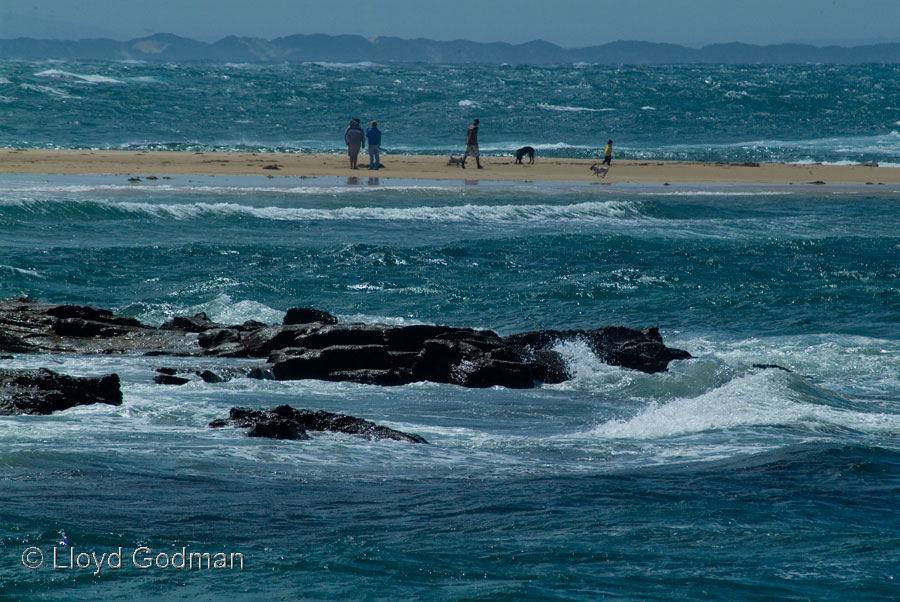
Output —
<point x="525" y="150"/>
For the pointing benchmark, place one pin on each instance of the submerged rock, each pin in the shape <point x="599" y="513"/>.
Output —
<point x="285" y="422"/>
<point x="43" y="391"/>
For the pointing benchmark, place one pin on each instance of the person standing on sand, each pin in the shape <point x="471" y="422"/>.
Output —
<point x="607" y="154"/>
<point x="472" y="145"/>
<point x="355" y="139"/>
<point x="373" y="136"/>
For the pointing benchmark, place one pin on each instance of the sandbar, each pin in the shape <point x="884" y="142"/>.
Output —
<point x="545" y="169"/>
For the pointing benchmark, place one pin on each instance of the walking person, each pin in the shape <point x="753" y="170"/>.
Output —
<point x="607" y="154"/>
<point x="355" y="139"/>
<point x="373" y="136"/>
<point x="472" y="145"/>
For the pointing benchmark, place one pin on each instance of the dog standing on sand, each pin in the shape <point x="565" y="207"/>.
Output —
<point x="455" y="161"/>
<point x="525" y="150"/>
<point x="600" y="170"/>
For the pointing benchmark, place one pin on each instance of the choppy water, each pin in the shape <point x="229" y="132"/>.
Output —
<point x="839" y="114"/>
<point x="715" y="480"/>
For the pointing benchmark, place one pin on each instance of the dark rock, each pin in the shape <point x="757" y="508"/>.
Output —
<point x="319" y="363"/>
<point x="197" y="323"/>
<point x="14" y="344"/>
<point x="166" y="379"/>
<point x="438" y="358"/>
<point x="43" y="391"/>
<point x="284" y="419"/>
<point x="340" y="335"/>
<point x="91" y="314"/>
<point x="214" y="337"/>
<point x="772" y="367"/>
<point x="262" y="342"/>
<point x="307" y="315"/>
<point x="484" y="372"/>
<point x="208" y="376"/>
<point x="549" y="367"/>
<point x="277" y="429"/>
<point x="385" y="378"/>
<point x="616" y="345"/>
<point x="249" y="325"/>
<point x="76" y="327"/>
<point x="324" y="349"/>
<point x="412" y="338"/>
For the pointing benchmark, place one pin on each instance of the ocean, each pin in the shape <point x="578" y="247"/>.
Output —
<point x="716" y="480"/>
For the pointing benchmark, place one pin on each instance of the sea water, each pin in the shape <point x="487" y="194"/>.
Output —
<point x="719" y="479"/>
<point x="799" y="113"/>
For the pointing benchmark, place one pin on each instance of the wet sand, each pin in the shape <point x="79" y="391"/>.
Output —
<point x="161" y="163"/>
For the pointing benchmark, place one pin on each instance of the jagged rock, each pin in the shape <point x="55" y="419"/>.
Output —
<point x="277" y="429"/>
<point x="549" y="367"/>
<point x="166" y="379"/>
<point x="642" y="350"/>
<point x="14" y="344"/>
<point x="43" y="391"/>
<point x="181" y="376"/>
<point x="485" y="372"/>
<point x="285" y="422"/>
<point x="83" y="312"/>
<point x="199" y="322"/>
<point x="323" y="349"/>
<point x="214" y="337"/>
<point x="307" y="315"/>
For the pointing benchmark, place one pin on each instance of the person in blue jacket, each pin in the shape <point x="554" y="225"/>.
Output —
<point x="373" y="136"/>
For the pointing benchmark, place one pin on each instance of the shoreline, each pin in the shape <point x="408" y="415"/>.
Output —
<point x="428" y="167"/>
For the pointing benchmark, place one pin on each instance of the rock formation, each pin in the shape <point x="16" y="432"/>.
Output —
<point x="285" y="422"/>
<point x="43" y="391"/>
<point x="312" y="344"/>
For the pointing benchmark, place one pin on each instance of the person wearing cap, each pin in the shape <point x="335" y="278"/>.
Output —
<point x="373" y="136"/>
<point x="354" y="138"/>
<point x="472" y="145"/>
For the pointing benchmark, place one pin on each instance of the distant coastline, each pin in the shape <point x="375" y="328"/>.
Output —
<point x="353" y="48"/>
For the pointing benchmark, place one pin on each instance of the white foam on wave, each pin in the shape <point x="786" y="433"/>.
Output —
<point x="89" y="79"/>
<point x="222" y="309"/>
<point x="339" y="65"/>
<point x="49" y="90"/>
<point x="567" y="109"/>
<point x="22" y="271"/>
<point x="578" y="212"/>
<point x="758" y="399"/>
<point x="469" y="104"/>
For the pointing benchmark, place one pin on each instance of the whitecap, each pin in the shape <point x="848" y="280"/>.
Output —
<point x="90" y="79"/>
<point x="22" y="271"/>
<point x="469" y="104"/>
<point x="47" y="90"/>
<point x="338" y="65"/>
<point x="566" y="109"/>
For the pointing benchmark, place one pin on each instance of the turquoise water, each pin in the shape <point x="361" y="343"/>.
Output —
<point x="715" y="480"/>
<point x="713" y="113"/>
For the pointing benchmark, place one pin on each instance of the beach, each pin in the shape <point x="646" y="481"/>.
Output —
<point x="497" y="168"/>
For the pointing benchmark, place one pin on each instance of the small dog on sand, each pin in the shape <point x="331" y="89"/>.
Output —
<point x="525" y="150"/>
<point x="455" y="161"/>
<point x="600" y="170"/>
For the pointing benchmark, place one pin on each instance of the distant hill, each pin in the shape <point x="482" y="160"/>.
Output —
<point x="347" y="48"/>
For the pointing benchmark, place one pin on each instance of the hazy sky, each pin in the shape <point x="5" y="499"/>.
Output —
<point x="570" y="23"/>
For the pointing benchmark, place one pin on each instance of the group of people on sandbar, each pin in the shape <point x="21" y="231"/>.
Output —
<point x="356" y="139"/>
